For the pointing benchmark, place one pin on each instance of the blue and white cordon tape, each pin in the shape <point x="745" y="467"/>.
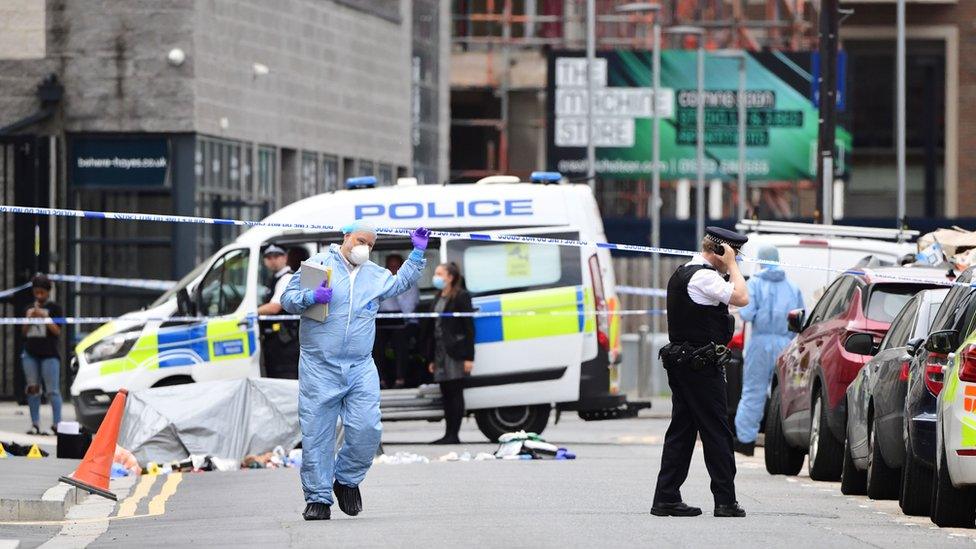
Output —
<point x="161" y="285"/>
<point x="162" y="218"/>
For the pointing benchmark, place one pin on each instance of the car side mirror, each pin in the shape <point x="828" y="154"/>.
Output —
<point x="913" y="345"/>
<point x="942" y="342"/>
<point x="184" y="305"/>
<point x="795" y="319"/>
<point x="860" y="344"/>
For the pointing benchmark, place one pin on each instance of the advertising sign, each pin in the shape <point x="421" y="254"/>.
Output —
<point x="781" y="123"/>
<point x="118" y="162"/>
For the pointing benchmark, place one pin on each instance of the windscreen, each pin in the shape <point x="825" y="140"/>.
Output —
<point x="886" y="300"/>
<point x="500" y="267"/>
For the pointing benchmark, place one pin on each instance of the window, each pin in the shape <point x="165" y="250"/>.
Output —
<point x="266" y="172"/>
<point x="366" y="168"/>
<point x="222" y="289"/>
<point x="820" y="309"/>
<point x="501" y="267"/>
<point x="901" y="326"/>
<point x="330" y="174"/>
<point x="384" y="177"/>
<point x="886" y="300"/>
<point x="310" y="175"/>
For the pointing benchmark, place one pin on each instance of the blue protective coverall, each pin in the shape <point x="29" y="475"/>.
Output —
<point x="771" y="298"/>
<point x="336" y="374"/>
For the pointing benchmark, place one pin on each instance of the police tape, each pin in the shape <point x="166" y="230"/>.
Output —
<point x="11" y="291"/>
<point x="160" y="285"/>
<point x="65" y="320"/>
<point x="510" y="238"/>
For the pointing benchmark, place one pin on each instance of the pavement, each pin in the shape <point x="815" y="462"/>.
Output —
<point x="601" y="498"/>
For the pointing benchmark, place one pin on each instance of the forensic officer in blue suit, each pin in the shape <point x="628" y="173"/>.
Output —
<point x="336" y="374"/>
<point x="771" y="298"/>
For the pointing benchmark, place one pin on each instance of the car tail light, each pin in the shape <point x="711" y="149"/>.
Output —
<point x="600" y="304"/>
<point x="933" y="372"/>
<point x="966" y="452"/>
<point x="967" y="366"/>
<point x="738" y="340"/>
<point x="903" y="375"/>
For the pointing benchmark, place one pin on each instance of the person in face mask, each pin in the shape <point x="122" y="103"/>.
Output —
<point x="450" y="346"/>
<point x="771" y="298"/>
<point x="336" y="374"/>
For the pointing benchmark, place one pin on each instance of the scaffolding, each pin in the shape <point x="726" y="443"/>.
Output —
<point x="499" y="46"/>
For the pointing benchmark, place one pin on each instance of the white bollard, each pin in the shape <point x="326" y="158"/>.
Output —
<point x="715" y="199"/>
<point x="682" y="199"/>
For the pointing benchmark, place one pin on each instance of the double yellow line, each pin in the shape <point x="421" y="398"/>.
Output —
<point x="157" y="505"/>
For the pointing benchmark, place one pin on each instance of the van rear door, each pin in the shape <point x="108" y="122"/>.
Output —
<point x="532" y="347"/>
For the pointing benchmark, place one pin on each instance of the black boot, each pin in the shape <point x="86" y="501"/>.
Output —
<point x="317" y="511"/>
<point x="730" y="510"/>
<point x="679" y="509"/>
<point x="744" y="448"/>
<point x="349" y="499"/>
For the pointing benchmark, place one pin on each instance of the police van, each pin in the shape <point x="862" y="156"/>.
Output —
<point x="553" y="341"/>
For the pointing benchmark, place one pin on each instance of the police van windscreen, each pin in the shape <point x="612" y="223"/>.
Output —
<point x="505" y="267"/>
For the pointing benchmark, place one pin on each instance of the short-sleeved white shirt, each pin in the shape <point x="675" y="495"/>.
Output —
<point x="706" y="286"/>
<point x="281" y="284"/>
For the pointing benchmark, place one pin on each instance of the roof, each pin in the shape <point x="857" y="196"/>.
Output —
<point x="904" y="275"/>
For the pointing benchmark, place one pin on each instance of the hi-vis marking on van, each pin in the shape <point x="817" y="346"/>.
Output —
<point x="215" y="340"/>
<point x="569" y="299"/>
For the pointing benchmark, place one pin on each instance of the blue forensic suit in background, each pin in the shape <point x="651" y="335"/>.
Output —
<point x="771" y="298"/>
<point x="336" y="374"/>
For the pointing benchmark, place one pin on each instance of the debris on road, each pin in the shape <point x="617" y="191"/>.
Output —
<point x="522" y="445"/>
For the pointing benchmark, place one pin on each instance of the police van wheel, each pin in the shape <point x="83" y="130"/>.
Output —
<point x="781" y="458"/>
<point x="495" y="422"/>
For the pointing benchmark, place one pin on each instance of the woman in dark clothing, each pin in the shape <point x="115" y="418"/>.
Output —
<point x="450" y="346"/>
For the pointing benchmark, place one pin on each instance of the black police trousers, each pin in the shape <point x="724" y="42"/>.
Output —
<point x="698" y="406"/>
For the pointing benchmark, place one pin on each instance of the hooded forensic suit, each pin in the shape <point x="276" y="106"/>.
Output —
<point x="771" y="298"/>
<point x="336" y="374"/>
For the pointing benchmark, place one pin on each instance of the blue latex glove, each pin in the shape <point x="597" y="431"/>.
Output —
<point x="322" y="294"/>
<point x="419" y="238"/>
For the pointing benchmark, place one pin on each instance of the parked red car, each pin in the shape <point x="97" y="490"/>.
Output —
<point x="807" y="410"/>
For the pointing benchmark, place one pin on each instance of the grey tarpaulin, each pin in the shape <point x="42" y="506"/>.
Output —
<point x="226" y="419"/>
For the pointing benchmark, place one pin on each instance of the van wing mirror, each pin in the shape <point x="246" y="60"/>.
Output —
<point x="942" y="342"/>
<point x="859" y="344"/>
<point x="913" y="346"/>
<point x="795" y="319"/>
<point x="185" y="305"/>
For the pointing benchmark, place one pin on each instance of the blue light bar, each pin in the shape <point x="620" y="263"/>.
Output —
<point x="546" y="177"/>
<point x="364" y="182"/>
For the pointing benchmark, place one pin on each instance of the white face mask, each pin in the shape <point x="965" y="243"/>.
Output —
<point x="359" y="254"/>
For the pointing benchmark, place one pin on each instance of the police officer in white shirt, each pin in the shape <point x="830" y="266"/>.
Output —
<point x="699" y="327"/>
<point x="279" y="338"/>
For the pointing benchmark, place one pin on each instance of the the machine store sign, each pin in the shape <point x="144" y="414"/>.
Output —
<point x="119" y="162"/>
<point x="781" y="122"/>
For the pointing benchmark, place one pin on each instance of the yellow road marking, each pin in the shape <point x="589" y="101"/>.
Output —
<point x="128" y="507"/>
<point x="158" y="504"/>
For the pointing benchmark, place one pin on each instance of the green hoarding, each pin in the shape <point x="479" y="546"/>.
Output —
<point x="781" y="128"/>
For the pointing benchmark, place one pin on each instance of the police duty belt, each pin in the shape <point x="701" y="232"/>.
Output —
<point x="696" y="357"/>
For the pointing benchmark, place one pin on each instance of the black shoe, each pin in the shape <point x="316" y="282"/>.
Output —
<point x="317" y="511"/>
<point x="729" y="510"/>
<point x="348" y="498"/>
<point x="744" y="448"/>
<point x="447" y="440"/>
<point x="679" y="509"/>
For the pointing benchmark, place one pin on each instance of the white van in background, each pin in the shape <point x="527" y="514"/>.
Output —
<point x="525" y="364"/>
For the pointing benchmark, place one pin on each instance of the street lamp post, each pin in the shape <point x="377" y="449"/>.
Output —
<point x="741" y="104"/>
<point x="654" y="206"/>
<point x="700" y="123"/>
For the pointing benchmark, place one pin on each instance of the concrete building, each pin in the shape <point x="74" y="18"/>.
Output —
<point x="215" y="108"/>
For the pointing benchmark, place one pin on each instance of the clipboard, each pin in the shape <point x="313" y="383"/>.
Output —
<point x="312" y="276"/>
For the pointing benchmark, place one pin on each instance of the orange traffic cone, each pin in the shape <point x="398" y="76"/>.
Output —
<point x="93" y="473"/>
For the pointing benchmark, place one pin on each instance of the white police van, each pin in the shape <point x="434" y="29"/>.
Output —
<point x="563" y="356"/>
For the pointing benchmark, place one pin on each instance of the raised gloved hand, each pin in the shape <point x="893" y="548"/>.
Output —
<point x="322" y="294"/>
<point x="420" y="237"/>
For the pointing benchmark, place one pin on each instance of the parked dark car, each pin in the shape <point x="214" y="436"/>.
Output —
<point x="807" y="410"/>
<point x="874" y="449"/>
<point x="923" y="387"/>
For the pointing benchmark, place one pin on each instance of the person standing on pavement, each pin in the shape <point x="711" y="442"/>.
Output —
<point x="279" y="338"/>
<point x="41" y="358"/>
<point x="336" y="374"/>
<point x="771" y="298"/>
<point x="449" y="343"/>
<point x="394" y="332"/>
<point x="699" y="327"/>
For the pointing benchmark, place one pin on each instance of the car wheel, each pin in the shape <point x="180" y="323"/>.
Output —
<point x="781" y="458"/>
<point x="951" y="506"/>
<point x="853" y="482"/>
<point x="826" y="452"/>
<point x="916" y="485"/>
<point x="495" y="422"/>
<point x="882" y="481"/>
